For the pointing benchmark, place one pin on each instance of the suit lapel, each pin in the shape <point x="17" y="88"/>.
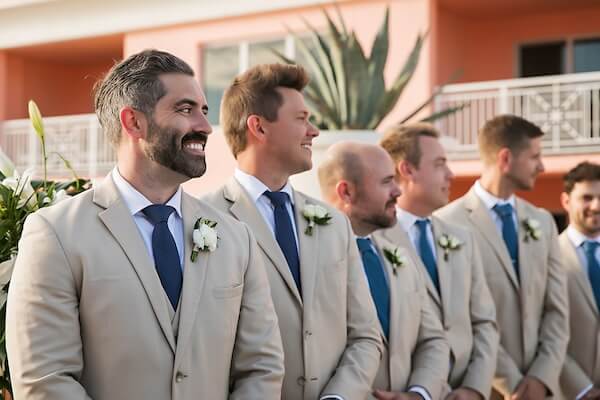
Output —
<point x="444" y="267"/>
<point x="575" y="270"/>
<point x="245" y="210"/>
<point x="194" y="273"/>
<point x="309" y="249"/>
<point x="483" y="223"/>
<point x="397" y="234"/>
<point x="527" y="253"/>
<point x="117" y="218"/>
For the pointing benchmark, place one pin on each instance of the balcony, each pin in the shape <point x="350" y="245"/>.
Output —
<point x="566" y="107"/>
<point x="77" y="138"/>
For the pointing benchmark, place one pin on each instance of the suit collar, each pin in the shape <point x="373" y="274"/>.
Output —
<point x="574" y="269"/>
<point x="255" y="188"/>
<point x="244" y="209"/>
<point x="444" y="266"/>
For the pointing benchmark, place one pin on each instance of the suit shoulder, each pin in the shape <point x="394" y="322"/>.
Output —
<point x="60" y="212"/>
<point x="535" y="212"/>
<point x="452" y="209"/>
<point x="452" y="228"/>
<point x="334" y="212"/>
<point x="215" y="198"/>
<point x="211" y="211"/>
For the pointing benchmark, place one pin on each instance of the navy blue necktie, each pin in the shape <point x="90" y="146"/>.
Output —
<point x="590" y="248"/>
<point x="166" y="256"/>
<point x="426" y="252"/>
<point x="377" y="283"/>
<point x="284" y="233"/>
<point x="509" y="233"/>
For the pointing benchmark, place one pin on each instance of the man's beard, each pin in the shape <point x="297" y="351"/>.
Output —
<point x="165" y="147"/>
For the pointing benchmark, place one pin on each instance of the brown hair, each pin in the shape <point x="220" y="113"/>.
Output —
<point x="506" y="131"/>
<point x="402" y="141"/>
<point x="134" y="82"/>
<point x="254" y="93"/>
<point x="584" y="171"/>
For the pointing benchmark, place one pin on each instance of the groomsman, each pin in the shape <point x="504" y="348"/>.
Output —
<point x="519" y="247"/>
<point x="448" y="255"/>
<point x="358" y="179"/>
<point x="328" y="322"/>
<point x="580" y="246"/>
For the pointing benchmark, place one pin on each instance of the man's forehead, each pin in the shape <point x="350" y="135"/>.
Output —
<point x="180" y="86"/>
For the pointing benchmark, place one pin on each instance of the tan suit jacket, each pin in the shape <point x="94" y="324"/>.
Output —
<point x="582" y="363"/>
<point x="532" y="313"/>
<point x="88" y="317"/>
<point x="465" y="307"/>
<point x="330" y="337"/>
<point x="416" y="353"/>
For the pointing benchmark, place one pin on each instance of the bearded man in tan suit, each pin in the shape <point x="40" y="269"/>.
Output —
<point x="448" y="256"/>
<point x="519" y="247"/>
<point x="359" y="180"/>
<point x="328" y="323"/>
<point x="580" y="246"/>
<point x="111" y="298"/>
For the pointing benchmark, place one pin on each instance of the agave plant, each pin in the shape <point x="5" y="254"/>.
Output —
<point x="347" y="89"/>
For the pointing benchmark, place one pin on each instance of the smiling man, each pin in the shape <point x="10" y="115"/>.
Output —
<point x="328" y="322"/>
<point x="580" y="245"/>
<point x="107" y="300"/>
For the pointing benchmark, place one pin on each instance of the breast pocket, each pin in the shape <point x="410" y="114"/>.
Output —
<point x="228" y="292"/>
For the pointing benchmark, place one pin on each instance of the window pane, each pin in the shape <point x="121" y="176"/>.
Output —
<point x="221" y="65"/>
<point x="260" y="53"/>
<point x="542" y="59"/>
<point x="587" y="55"/>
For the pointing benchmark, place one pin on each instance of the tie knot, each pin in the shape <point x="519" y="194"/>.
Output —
<point x="503" y="210"/>
<point x="364" y="244"/>
<point x="158" y="213"/>
<point x="422" y="224"/>
<point x="590" y="246"/>
<point x="277" y="198"/>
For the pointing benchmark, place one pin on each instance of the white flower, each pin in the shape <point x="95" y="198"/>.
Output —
<point x="532" y="229"/>
<point x="453" y="242"/>
<point x="395" y="257"/>
<point x="7" y="168"/>
<point x="443" y="241"/>
<point x="534" y="224"/>
<point x="447" y="243"/>
<point x="315" y="214"/>
<point x="309" y="211"/>
<point x="21" y="186"/>
<point x="204" y="236"/>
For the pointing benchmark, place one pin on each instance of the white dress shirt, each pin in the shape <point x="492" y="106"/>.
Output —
<point x="577" y="238"/>
<point x="136" y="202"/>
<point x="408" y="222"/>
<point x="489" y="200"/>
<point x="256" y="189"/>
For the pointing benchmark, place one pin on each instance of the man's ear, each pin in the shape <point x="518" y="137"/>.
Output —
<point x="564" y="201"/>
<point x="345" y="191"/>
<point x="504" y="159"/>
<point x="405" y="171"/>
<point x="254" y="124"/>
<point x="133" y="123"/>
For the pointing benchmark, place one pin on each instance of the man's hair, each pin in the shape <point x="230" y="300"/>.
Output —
<point x="402" y="141"/>
<point x="134" y="82"/>
<point x="254" y="93"/>
<point x="342" y="165"/>
<point x="583" y="172"/>
<point x="506" y="131"/>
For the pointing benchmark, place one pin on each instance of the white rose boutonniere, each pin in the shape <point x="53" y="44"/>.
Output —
<point x="532" y="229"/>
<point x="204" y="237"/>
<point x="315" y="215"/>
<point x="447" y="243"/>
<point x="395" y="257"/>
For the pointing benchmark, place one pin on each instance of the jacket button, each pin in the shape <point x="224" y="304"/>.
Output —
<point x="180" y="376"/>
<point x="301" y="380"/>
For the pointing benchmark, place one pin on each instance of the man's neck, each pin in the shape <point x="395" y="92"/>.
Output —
<point x="413" y="206"/>
<point x="156" y="187"/>
<point x="496" y="185"/>
<point x="271" y="177"/>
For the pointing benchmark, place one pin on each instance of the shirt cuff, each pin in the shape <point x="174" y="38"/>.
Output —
<point x="584" y="391"/>
<point x="421" y="391"/>
<point x="331" y="397"/>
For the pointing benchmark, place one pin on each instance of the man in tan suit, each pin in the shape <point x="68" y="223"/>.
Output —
<point x="358" y="179"/>
<point x="580" y="247"/>
<point x="115" y="294"/>
<point x="521" y="259"/>
<point x="447" y="255"/>
<point x="327" y="320"/>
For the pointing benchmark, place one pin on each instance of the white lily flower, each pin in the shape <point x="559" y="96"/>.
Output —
<point x="7" y="167"/>
<point x="310" y="211"/>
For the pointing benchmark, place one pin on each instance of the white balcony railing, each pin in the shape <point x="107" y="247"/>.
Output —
<point x="78" y="138"/>
<point x="566" y="107"/>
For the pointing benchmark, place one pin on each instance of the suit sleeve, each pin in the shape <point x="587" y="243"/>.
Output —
<point x="359" y="363"/>
<point x="431" y="357"/>
<point x="42" y="322"/>
<point x="482" y="364"/>
<point x="573" y="379"/>
<point x="257" y="366"/>
<point x="554" y="327"/>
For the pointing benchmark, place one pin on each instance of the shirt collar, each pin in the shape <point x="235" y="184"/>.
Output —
<point x="256" y="188"/>
<point x="406" y="219"/>
<point x="489" y="199"/>
<point x="577" y="238"/>
<point x="136" y="201"/>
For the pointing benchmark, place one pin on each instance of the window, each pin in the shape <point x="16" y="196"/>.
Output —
<point x="222" y="63"/>
<point x="586" y="55"/>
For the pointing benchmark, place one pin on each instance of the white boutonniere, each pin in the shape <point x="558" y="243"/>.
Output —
<point x="532" y="229"/>
<point x="447" y="243"/>
<point x="395" y="257"/>
<point x="315" y="215"/>
<point x="204" y="237"/>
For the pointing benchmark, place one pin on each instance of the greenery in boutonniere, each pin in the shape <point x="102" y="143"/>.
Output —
<point x="395" y="257"/>
<point x="21" y="195"/>
<point x="532" y="229"/>
<point x="315" y="215"/>
<point x="204" y="237"/>
<point x="448" y="243"/>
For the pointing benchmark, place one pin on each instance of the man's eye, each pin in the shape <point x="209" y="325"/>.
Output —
<point x="186" y="110"/>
